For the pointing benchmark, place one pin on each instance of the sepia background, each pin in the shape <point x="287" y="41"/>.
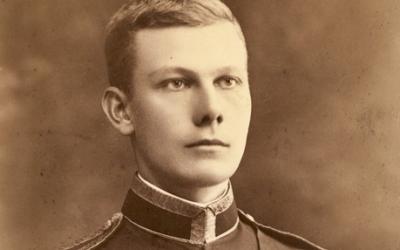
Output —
<point x="323" y="150"/>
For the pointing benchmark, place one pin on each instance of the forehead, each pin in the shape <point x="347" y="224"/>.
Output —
<point x="198" y="48"/>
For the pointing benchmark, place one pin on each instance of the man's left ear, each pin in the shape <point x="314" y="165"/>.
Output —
<point x="115" y="106"/>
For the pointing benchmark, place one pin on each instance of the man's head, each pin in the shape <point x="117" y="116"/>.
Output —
<point x="178" y="71"/>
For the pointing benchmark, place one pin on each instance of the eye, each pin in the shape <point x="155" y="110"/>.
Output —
<point x="176" y="84"/>
<point x="228" y="82"/>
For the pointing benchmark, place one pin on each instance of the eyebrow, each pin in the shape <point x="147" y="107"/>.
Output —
<point x="191" y="73"/>
<point x="169" y="69"/>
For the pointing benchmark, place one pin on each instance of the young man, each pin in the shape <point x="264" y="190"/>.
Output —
<point x="179" y="90"/>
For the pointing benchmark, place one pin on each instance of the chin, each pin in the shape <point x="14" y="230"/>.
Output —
<point x="208" y="174"/>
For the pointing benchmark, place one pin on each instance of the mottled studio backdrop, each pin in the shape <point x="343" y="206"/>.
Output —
<point x="323" y="153"/>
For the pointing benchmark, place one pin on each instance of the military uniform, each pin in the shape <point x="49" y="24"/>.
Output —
<point x="153" y="219"/>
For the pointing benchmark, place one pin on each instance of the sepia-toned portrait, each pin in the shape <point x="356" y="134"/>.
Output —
<point x="199" y="124"/>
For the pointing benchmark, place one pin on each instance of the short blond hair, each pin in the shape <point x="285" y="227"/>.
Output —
<point x="144" y="14"/>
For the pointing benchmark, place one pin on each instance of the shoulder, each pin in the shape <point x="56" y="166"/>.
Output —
<point x="100" y="236"/>
<point x="267" y="233"/>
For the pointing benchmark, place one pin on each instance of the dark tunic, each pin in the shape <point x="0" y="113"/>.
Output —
<point x="154" y="220"/>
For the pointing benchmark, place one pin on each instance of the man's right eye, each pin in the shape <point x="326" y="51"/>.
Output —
<point x="176" y="84"/>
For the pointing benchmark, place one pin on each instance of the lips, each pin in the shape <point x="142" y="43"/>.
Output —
<point x="206" y="142"/>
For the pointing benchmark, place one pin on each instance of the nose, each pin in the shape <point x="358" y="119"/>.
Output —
<point x="208" y="110"/>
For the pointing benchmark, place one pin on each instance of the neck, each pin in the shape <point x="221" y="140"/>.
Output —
<point x="197" y="194"/>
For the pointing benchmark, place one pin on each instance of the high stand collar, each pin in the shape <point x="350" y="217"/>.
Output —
<point x="169" y="216"/>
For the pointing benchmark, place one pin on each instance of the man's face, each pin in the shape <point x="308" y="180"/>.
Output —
<point x="191" y="103"/>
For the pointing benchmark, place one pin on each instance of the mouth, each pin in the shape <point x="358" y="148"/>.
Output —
<point x="206" y="142"/>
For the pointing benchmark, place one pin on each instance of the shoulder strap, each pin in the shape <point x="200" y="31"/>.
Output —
<point x="286" y="238"/>
<point x="100" y="236"/>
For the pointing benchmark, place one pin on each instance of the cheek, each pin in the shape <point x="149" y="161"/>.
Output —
<point x="240" y="109"/>
<point x="159" y="118"/>
<point x="238" y="121"/>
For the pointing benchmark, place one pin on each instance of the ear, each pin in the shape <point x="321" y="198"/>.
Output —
<point x="115" y="105"/>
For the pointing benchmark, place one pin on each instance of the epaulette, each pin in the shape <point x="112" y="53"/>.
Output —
<point x="289" y="239"/>
<point x="99" y="236"/>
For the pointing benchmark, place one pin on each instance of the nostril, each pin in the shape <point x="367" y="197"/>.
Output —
<point x="220" y="119"/>
<point x="207" y="120"/>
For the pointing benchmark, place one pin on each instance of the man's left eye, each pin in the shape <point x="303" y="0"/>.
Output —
<point x="228" y="82"/>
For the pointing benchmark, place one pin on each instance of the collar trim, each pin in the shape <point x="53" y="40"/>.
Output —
<point x="176" y="204"/>
<point x="198" y="204"/>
